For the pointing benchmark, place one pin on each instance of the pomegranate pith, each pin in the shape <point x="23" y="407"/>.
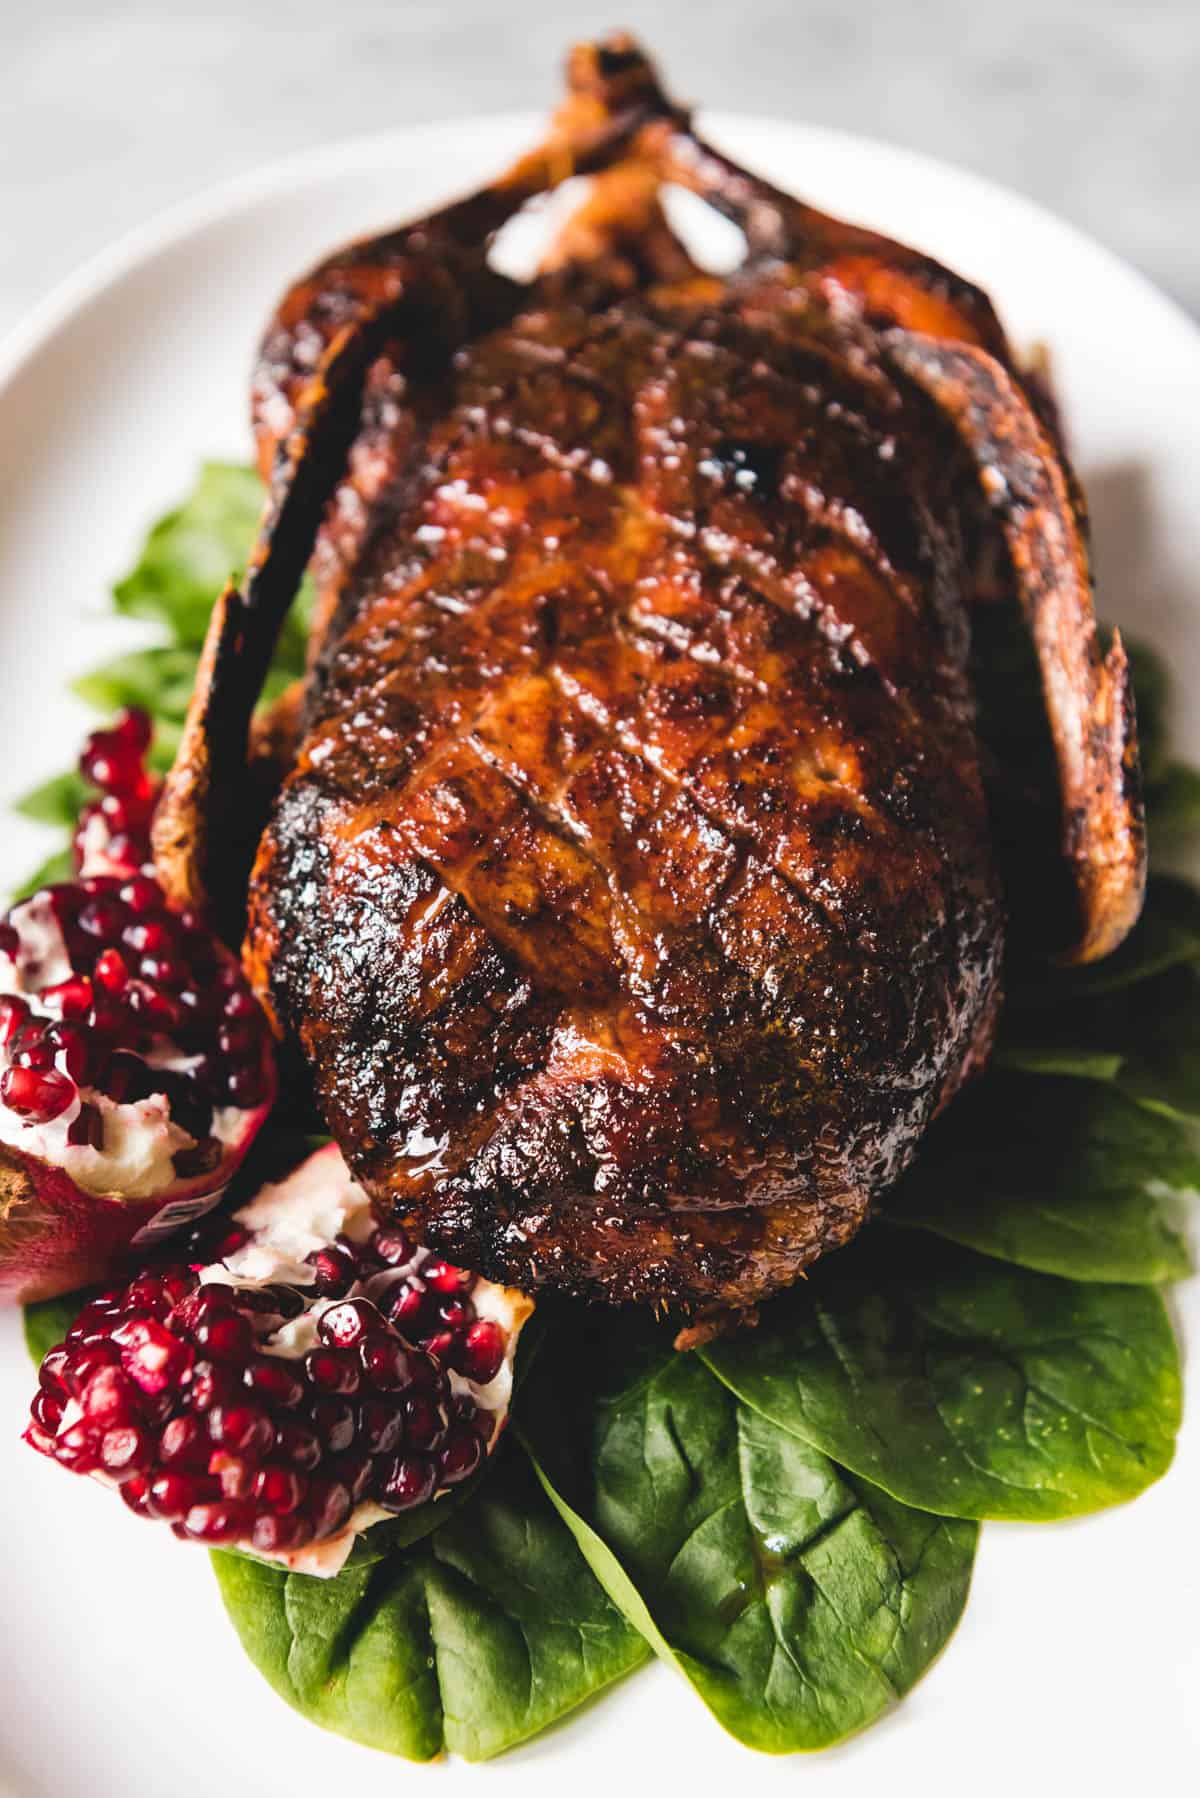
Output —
<point x="249" y="1404"/>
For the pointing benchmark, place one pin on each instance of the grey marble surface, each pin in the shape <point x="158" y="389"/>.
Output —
<point x="113" y="109"/>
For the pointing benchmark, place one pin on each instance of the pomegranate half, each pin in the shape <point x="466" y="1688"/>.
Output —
<point x="305" y="1374"/>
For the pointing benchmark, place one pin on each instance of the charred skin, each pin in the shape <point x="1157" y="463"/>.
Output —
<point x="631" y="895"/>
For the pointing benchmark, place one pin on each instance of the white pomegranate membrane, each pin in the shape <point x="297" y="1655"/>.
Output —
<point x="135" y="1064"/>
<point x="304" y="1375"/>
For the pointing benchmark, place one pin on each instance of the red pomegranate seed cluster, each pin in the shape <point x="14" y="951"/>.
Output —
<point x="145" y="982"/>
<point x="114" y="829"/>
<point x="164" y="1387"/>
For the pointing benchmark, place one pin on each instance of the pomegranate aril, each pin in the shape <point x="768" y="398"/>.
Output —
<point x="14" y="1014"/>
<point x="233" y="1473"/>
<point x="212" y="1384"/>
<point x="272" y="1380"/>
<point x="142" y="895"/>
<point x="334" y="1269"/>
<point x="227" y="1338"/>
<point x="247" y="1087"/>
<point x="328" y="1505"/>
<point x="76" y="1448"/>
<point x="102" y="918"/>
<point x="333" y="1420"/>
<point x="153" y="1357"/>
<point x="36" y="1097"/>
<point x="424" y="1422"/>
<point x="226" y="1520"/>
<point x="280" y="1489"/>
<point x="246" y="1429"/>
<point x="47" y="1410"/>
<point x="135" y="1492"/>
<point x="407" y="1307"/>
<point x="333" y="1370"/>
<point x="408" y="1481"/>
<point x="385" y="1361"/>
<point x="109" y="1398"/>
<point x="10" y="941"/>
<point x="345" y="1324"/>
<point x="30" y="1049"/>
<point x="96" y="1320"/>
<point x="456" y="1314"/>
<point x="460" y="1455"/>
<point x="184" y="1443"/>
<point x="110" y="972"/>
<point x="392" y="1247"/>
<point x="481" y="1355"/>
<point x="134" y="729"/>
<point x="52" y="1374"/>
<point x="83" y="1362"/>
<point x="41" y="1439"/>
<point x="149" y="936"/>
<point x="275" y="1535"/>
<point x="171" y="1495"/>
<point x="444" y="1278"/>
<point x="125" y="1449"/>
<point x="439" y="1344"/>
<point x="354" y="1471"/>
<point x="157" y="1012"/>
<point x="297" y="1444"/>
<point x="70" y="998"/>
<point x="380" y="1426"/>
<point x="202" y="1304"/>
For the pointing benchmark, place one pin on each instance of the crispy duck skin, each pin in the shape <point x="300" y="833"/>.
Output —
<point x="631" y="894"/>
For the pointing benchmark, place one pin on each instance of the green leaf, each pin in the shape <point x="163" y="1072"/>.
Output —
<point x="159" y="680"/>
<point x="1151" y="692"/>
<point x="191" y="552"/>
<point x="1060" y="1175"/>
<point x="963" y="1385"/>
<point x="1173" y="806"/>
<point x="57" y="801"/>
<point x="482" y="1636"/>
<point x="46" y="1323"/>
<point x="1167" y="935"/>
<point x="56" y="867"/>
<point x="800" y="1601"/>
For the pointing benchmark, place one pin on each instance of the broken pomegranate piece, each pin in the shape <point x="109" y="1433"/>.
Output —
<point x="303" y="1375"/>
<point x="136" y="1068"/>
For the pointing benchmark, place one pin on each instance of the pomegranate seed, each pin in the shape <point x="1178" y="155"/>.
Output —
<point x="214" y="1299"/>
<point x="246" y="1429"/>
<point x="392" y="1247"/>
<point x="109" y="1398"/>
<point x="170" y="1495"/>
<point x="280" y="1489"/>
<point x="247" y="1087"/>
<point x="354" y="1473"/>
<point x="333" y="1421"/>
<point x="153" y="1357"/>
<point x="183" y="1443"/>
<point x="446" y="1279"/>
<point x="299" y="1445"/>
<point x="380" y="1426"/>
<point x="37" y="1097"/>
<point x="407" y="1307"/>
<point x="482" y="1353"/>
<point x="135" y="1492"/>
<point x="347" y="1323"/>
<point x="272" y="1380"/>
<point x="110" y="971"/>
<point x="71" y="1047"/>
<point x="14" y="1013"/>
<point x="96" y="1319"/>
<point x="385" y="1361"/>
<point x="156" y="1011"/>
<point x="409" y="1481"/>
<point x="46" y="1410"/>
<point x="211" y="1385"/>
<point x="102" y="917"/>
<point x="142" y="896"/>
<point x="241" y="1003"/>
<point x="329" y="1505"/>
<point x="234" y="1474"/>
<point x="228" y="1338"/>
<point x="274" y="1535"/>
<point x="333" y="1370"/>
<point x="461" y="1454"/>
<point x="125" y="1450"/>
<point x="439" y="1345"/>
<point x="456" y="1314"/>
<point x="149" y="936"/>
<point x="223" y="1521"/>
<point x="333" y="1269"/>
<point x="43" y="1440"/>
<point x="10" y="941"/>
<point x="52" y="1372"/>
<point x="84" y="1361"/>
<point x="134" y="729"/>
<point x="31" y="1050"/>
<point x="424" y="1422"/>
<point x="70" y="998"/>
<point x="76" y="1448"/>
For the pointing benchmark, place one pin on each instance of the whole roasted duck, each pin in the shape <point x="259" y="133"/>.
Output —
<point x="630" y="889"/>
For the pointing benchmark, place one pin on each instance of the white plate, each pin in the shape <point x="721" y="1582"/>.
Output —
<point x="1078" y="1664"/>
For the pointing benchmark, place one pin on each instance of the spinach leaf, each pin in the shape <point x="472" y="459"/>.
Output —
<point x="46" y="1323"/>
<point x="192" y="551"/>
<point x="482" y="1636"/>
<point x="57" y="801"/>
<point x="799" y="1600"/>
<point x="964" y="1385"/>
<point x="1060" y="1175"/>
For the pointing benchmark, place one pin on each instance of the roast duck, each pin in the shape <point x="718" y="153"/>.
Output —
<point x="630" y="885"/>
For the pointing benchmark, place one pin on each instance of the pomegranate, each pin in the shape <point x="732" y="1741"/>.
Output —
<point x="303" y="1375"/>
<point x="135" y="1064"/>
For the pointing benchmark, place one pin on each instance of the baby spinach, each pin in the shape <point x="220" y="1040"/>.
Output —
<point x="799" y="1600"/>
<point x="1065" y="1176"/>
<point x="483" y="1635"/>
<point x="964" y="1385"/>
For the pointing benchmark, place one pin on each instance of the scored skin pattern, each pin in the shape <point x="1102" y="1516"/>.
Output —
<point x="630" y="895"/>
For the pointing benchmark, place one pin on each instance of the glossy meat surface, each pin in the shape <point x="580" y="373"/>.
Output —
<point x="631" y="895"/>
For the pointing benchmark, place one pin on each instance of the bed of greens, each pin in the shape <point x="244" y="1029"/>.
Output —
<point x="787" y="1517"/>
